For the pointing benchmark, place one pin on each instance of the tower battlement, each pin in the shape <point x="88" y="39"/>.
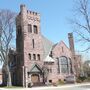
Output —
<point x="24" y="10"/>
<point x="33" y="13"/>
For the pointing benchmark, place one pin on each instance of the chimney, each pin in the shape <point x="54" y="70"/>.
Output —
<point x="71" y="43"/>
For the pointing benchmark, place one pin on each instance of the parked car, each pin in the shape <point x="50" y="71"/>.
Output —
<point x="70" y="79"/>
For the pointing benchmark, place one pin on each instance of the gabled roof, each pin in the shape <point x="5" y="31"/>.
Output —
<point x="61" y="42"/>
<point x="49" y="59"/>
<point x="35" y="68"/>
<point x="54" y="46"/>
<point x="65" y="44"/>
<point x="47" y="45"/>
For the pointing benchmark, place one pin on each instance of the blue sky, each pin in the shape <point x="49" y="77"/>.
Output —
<point x="54" y="16"/>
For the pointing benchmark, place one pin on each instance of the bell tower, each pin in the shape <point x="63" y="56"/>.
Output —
<point x="28" y="41"/>
<point x="30" y="38"/>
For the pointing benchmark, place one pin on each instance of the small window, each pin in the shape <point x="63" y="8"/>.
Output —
<point x="33" y="42"/>
<point x="29" y="56"/>
<point x="34" y="56"/>
<point x="62" y="49"/>
<point x="38" y="56"/>
<point x="50" y="70"/>
<point x="30" y="28"/>
<point x="35" y="29"/>
<point x="19" y="30"/>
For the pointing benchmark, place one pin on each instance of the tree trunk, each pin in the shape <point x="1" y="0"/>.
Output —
<point x="9" y="82"/>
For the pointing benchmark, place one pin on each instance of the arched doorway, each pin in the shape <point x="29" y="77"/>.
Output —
<point x="35" y="78"/>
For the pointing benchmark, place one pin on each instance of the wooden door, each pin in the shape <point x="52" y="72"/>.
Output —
<point x="35" y="78"/>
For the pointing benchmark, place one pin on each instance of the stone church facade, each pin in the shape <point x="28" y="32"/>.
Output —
<point x="36" y="59"/>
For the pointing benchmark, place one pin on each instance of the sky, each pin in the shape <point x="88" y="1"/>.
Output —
<point x="54" y="16"/>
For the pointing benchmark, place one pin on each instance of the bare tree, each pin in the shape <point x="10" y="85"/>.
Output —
<point x="86" y="67"/>
<point x="81" y="21"/>
<point x="7" y="28"/>
<point x="45" y="73"/>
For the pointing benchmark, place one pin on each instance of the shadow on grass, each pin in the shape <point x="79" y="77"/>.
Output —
<point x="3" y="86"/>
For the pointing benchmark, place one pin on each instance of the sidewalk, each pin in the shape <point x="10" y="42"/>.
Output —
<point x="47" y="87"/>
<point x="60" y="86"/>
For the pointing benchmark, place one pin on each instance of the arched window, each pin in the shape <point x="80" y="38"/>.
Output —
<point x="29" y="55"/>
<point x="29" y="28"/>
<point x="19" y="30"/>
<point x="64" y="64"/>
<point x="35" y="29"/>
<point x="33" y="43"/>
<point x="38" y="56"/>
<point x="34" y="56"/>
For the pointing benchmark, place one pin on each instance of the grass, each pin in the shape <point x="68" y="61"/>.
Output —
<point x="11" y="87"/>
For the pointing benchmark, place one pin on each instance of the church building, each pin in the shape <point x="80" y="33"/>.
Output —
<point x="36" y="59"/>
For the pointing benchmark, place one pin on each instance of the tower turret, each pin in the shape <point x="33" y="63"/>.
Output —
<point x="23" y="9"/>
